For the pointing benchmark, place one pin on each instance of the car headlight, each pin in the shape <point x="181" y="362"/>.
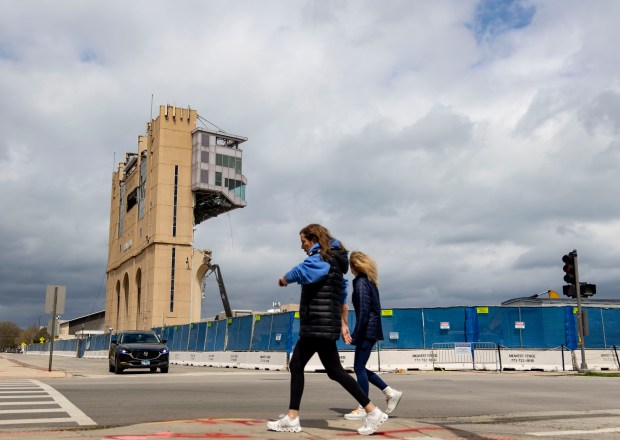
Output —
<point x="163" y="351"/>
<point x="124" y="351"/>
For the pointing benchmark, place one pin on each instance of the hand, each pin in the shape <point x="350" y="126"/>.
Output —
<point x="282" y="282"/>
<point x="346" y="335"/>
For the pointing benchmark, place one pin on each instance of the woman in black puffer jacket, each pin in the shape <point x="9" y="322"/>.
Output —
<point x="322" y="284"/>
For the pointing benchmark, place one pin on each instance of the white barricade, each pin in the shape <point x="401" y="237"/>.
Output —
<point x="196" y="358"/>
<point x="272" y="360"/>
<point x="97" y="354"/>
<point x="265" y="360"/>
<point x="405" y="360"/>
<point x="600" y="359"/>
<point x="346" y="359"/>
<point x="545" y="360"/>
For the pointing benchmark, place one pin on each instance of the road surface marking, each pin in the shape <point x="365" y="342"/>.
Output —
<point x="576" y="432"/>
<point x="40" y="400"/>
<point x="76" y="414"/>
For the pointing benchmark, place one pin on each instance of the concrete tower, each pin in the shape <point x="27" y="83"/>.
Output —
<point x="180" y="177"/>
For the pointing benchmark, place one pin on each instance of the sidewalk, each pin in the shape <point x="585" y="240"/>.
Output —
<point x="14" y="369"/>
<point x="247" y="429"/>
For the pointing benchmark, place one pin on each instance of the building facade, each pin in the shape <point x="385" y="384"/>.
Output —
<point x="180" y="176"/>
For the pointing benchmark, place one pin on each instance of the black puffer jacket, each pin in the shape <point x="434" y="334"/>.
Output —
<point x="367" y="306"/>
<point x="319" y="307"/>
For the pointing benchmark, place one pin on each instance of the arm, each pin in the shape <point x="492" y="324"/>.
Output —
<point x="311" y="270"/>
<point x="344" y="319"/>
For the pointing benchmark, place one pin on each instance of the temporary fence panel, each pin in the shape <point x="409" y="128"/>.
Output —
<point x="444" y="325"/>
<point x="611" y="327"/>
<point x="201" y="336"/>
<point x="282" y="333"/>
<point x="216" y="335"/>
<point x="402" y="329"/>
<point x="603" y="327"/>
<point x="192" y="340"/>
<point x="261" y="335"/>
<point x="466" y="355"/>
<point x="272" y="332"/>
<point x="183" y="337"/>
<point x="240" y="333"/>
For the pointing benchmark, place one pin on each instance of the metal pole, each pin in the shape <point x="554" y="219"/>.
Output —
<point x="53" y="327"/>
<point x="584" y="366"/>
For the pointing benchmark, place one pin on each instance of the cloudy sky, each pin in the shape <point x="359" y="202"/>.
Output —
<point x="466" y="145"/>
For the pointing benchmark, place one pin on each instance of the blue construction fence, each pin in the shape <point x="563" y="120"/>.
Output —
<point x="403" y="329"/>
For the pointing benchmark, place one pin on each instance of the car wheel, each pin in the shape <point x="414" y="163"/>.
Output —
<point x="164" y="369"/>
<point x="153" y="369"/>
<point x="117" y="368"/>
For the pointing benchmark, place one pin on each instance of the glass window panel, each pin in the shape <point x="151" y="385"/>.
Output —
<point x="204" y="139"/>
<point x="204" y="156"/>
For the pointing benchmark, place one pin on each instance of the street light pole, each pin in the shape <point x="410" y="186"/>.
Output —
<point x="584" y="365"/>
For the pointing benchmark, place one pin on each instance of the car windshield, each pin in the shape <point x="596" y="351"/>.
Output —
<point x="139" y="338"/>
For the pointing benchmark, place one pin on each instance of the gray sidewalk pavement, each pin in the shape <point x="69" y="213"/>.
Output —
<point x="219" y="428"/>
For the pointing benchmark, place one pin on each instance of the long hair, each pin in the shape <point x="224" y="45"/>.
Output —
<point x="320" y="234"/>
<point x="364" y="265"/>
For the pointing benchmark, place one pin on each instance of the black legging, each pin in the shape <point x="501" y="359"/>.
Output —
<point x="328" y="353"/>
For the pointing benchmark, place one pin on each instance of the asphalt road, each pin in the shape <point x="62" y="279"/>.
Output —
<point x="528" y="401"/>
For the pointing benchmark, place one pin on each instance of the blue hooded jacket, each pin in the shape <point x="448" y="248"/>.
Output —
<point x="314" y="269"/>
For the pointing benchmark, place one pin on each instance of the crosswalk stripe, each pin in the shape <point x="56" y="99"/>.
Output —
<point x="76" y="414"/>
<point x="27" y="411"/>
<point x="38" y="402"/>
<point x="37" y="398"/>
<point x="32" y="421"/>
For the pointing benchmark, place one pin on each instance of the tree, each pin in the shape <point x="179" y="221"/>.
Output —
<point x="9" y="334"/>
<point x="42" y="333"/>
<point x="28" y="335"/>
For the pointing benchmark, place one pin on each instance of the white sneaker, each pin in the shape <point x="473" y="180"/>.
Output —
<point x="285" y="424"/>
<point x="374" y="419"/>
<point x="357" y="414"/>
<point x="392" y="402"/>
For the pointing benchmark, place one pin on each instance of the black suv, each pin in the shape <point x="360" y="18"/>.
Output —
<point x="137" y="349"/>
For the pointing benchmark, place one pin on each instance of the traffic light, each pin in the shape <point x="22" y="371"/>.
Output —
<point x="569" y="290"/>
<point x="585" y="290"/>
<point x="569" y="268"/>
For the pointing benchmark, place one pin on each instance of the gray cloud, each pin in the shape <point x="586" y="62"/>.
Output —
<point x="465" y="148"/>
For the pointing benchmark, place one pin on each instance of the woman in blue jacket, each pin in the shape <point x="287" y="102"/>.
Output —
<point x="367" y="330"/>
<point x="322" y="284"/>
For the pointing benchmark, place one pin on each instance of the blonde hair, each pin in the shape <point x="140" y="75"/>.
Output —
<point x="364" y="265"/>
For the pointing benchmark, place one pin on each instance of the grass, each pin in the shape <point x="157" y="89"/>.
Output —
<point x="602" y="374"/>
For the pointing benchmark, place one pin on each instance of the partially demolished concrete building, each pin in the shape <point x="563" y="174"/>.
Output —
<point x="180" y="176"/>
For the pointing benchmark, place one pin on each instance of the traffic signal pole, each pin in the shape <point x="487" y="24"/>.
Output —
<point x="584" y="365"/>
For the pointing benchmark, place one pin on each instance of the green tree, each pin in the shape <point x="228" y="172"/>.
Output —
<point x="9" y="334"/>
<point x="42" y="333"/>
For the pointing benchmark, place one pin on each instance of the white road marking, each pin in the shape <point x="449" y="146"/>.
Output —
<point x="31" y="421"/>
<point x="25" y="411"/>
<point x="34" y="393"/>
<point x="76" y="414"/>
<point x="576" y="432"/>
